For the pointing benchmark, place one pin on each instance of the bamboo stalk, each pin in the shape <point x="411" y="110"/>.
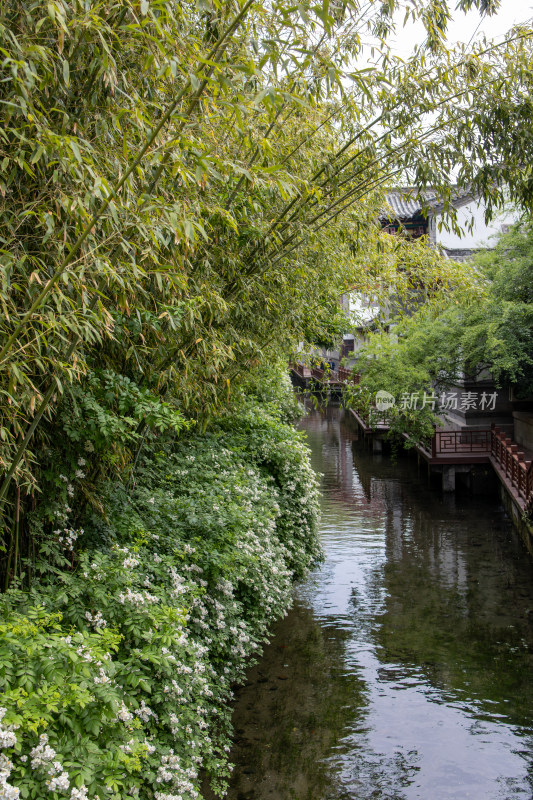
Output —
<point x="9" y="556"/>
<point x="75" y="248"/>
<point x="118" y="186"/>
<point x="371" y="187"/>
<point x="270" y="128"/>
<point x="17" y="532"/>
<point x="378" y="119"/>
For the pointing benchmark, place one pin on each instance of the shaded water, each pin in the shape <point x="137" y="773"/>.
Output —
<point x="403" y="671"/>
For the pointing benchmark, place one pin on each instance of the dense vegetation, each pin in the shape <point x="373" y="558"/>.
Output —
<point x="186" y="189"/>
<point x="117" y="666"/>
<point x="481" y="329"/>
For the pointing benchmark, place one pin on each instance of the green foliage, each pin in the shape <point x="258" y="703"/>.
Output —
<point x="186" y="190"/>
<point x="110" y="408"/>
<point x="326" y="329"/>
<point x="268" y="388"/>
<point x="126" y="662"/>
<point x="482" y="323"/>
<point x="499" y="335"/>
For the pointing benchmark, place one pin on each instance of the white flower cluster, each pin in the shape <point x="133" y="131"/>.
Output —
<point x="176" y="692"/>
<point x="7" y="739"/>
<point x="102" y="676"/>
<point x="42" y="754"/>
<point x="7" y="736"/>
<point x="165" y="796"/>
<point x="182" y="779"/>
<point x="137" y="598"/>
<point x="96" y="620"/>
<point x="145" y="712"/>
<point x="68" y="536"/>
<point x="84" y="653"/>
<point x="79" y="794"/>
<point x="58" y="783"/>
<point x="124" y="715"/>
<point x="225" y="587"/>
<point x="7" y="792"/>
<point x="42" y="757"/>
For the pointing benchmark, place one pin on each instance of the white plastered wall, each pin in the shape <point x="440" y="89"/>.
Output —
<point x="481" y="233"/>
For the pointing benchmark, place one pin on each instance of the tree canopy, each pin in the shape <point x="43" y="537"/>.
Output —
<point x="481" y="327"/>
<point x="186" y="187"/>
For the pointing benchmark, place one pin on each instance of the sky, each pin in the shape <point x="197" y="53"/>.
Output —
<point x="465" y="26"/>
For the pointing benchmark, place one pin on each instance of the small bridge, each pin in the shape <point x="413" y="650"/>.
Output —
<point x="447" y="451"/>
<point x="322" y="378"/>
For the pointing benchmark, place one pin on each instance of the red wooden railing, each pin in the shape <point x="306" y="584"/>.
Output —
<point x="512" y="462"/>
<point x="461" y="441"/>
<point x="347" y="376"/>
<point x="297" y="368"/>
<point x="517" y="471"/>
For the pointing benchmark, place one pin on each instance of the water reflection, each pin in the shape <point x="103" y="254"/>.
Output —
<point x="404" y="670"/>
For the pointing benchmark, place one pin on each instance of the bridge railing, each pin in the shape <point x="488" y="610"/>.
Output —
<point x="461" y="441"/>
<point x="513" y="464"/>
<point x="339" y="375"/>
<point x="347" y="376"/>
<point x="318" y="373"/>
<point x="297" y="367"/>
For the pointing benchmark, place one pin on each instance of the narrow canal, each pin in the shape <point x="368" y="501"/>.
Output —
<point x="404" y="669"/>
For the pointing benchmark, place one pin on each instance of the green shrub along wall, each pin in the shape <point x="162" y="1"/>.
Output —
<point x="117" y="669"/>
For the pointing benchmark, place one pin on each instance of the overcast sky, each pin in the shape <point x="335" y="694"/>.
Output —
<point x="465" y="26"/>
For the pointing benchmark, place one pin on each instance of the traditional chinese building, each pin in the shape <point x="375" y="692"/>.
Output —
<point x="420" y="214"/>
<point x="472" y="403"/>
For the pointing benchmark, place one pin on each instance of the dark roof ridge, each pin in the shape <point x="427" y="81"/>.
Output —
<point x="409" y="201"/>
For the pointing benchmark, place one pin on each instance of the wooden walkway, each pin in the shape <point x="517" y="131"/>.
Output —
<point x="513" y="469"/>
<point x="492" y="446"/>
<point x="447" y="448"/>
<point x="376" y="425"/>
<point x="465" y="446"/>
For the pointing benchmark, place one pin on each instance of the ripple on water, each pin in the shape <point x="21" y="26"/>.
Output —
<point x="407" y="658"/>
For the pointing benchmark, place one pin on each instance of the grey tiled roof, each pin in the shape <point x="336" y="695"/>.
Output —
<point x="460" y="254"/>
<point x="406" y="203"/>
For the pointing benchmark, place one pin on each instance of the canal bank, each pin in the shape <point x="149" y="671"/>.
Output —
<point x="403" y="670"/>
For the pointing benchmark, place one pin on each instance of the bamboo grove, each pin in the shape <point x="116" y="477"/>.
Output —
<point x="186" y="189"/>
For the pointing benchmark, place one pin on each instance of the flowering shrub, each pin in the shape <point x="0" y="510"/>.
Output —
<point x="281" y="454"/>
<point x="117" y="675"/>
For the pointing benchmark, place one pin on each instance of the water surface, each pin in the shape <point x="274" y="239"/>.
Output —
<point x="403" y="671"/>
